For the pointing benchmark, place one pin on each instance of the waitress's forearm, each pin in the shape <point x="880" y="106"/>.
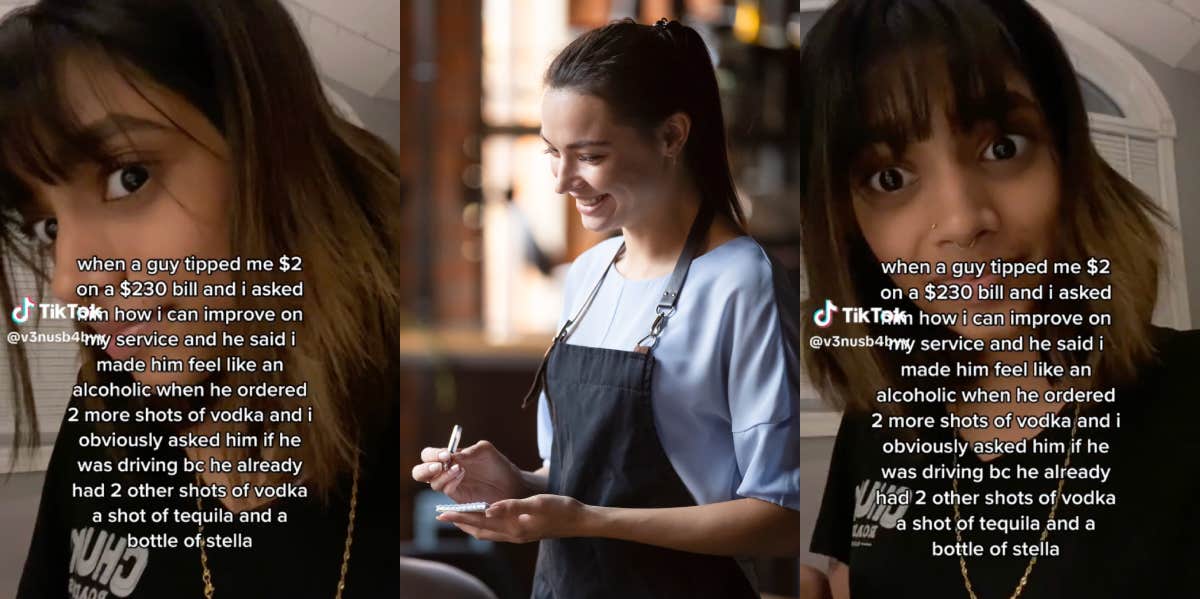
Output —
<point x="741" y="527"/>
<point x="536" y="480"/>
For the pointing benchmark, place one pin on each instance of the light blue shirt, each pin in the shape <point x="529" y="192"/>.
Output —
<point x="724" y="408"/>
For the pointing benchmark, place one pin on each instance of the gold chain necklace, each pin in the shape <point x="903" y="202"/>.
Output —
<point x="207" y="574"/>
<point x="962" y="562"/>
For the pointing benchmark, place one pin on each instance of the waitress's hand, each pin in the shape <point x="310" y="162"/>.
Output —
<point x="524" y="520"/>
<point x="477" y="473"/>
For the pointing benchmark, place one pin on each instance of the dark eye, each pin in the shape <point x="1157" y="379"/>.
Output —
<point x="1006" y="147"/>
<point x="42" y="232"/>
<point x="126" y="181"/>
<point x="890" y="179"/>
<point x="589" y="158"/>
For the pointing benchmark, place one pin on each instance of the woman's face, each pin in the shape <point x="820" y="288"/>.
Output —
<point x="616" y="174"/>
<point x="964" y="196"/>
<point x="164" y="194"/>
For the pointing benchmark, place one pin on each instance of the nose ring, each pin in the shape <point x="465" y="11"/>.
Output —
<point x="956" y="244"/>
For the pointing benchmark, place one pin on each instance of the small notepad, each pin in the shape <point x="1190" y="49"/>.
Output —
<point x="477" y="506"/>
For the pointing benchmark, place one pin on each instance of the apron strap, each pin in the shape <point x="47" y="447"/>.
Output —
<point x="666" y="303"/>
<point x="569" y="326"/>
<point x="539" y="379"/>
<point x="670" y="296"/>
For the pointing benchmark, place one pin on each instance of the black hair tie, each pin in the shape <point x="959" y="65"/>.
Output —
<point x="673" y="32"/>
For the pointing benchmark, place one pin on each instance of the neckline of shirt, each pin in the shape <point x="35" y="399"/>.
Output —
<point x="695" y="261"/>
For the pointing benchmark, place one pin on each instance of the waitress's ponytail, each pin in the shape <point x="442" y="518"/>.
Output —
<point x="647" y="73"/>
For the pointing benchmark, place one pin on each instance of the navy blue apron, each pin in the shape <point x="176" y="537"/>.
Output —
<point x="606" y="452"/>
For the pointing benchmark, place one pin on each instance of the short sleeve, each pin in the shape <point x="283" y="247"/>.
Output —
<point x="763" y="391"/>
<point x="831" y="534"/>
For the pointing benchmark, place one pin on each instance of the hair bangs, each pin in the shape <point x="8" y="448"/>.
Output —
<point x="41" y="136"/>
<point x="910" y="58"/>
<point x="878" y="72"/>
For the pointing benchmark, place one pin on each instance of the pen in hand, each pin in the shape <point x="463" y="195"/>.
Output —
<point x="452" y="446"/>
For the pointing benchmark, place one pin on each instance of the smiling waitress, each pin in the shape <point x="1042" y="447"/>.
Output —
<point x="667" y="415"/>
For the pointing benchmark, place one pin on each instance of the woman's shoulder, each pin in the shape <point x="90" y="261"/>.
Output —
<point x="1176" y="356"/>
<point x="1175" y="346"/>
<point x="1165" y="382"/>
<point x="739" y="277"/>
<point x="738" y="265"/>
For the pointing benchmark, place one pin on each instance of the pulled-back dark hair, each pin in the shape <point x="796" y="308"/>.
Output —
<point x="646" y="73"/>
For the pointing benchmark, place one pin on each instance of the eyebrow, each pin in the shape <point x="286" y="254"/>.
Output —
<point x="101" y="130"/>
<point x="66" y="152"/>
<point x="575" y="145"/>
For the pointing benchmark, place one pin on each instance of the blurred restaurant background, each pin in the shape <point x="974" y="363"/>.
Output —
<point x="489" y="241"/>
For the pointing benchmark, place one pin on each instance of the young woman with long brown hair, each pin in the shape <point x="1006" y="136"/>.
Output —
<point x="666" y="421"/>
<point x="135" y="130"/>
<point x="953" y="131"/>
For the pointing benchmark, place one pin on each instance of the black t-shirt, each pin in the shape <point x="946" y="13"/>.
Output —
<point x="1146" y="545"/>
<point x="73" y="556"/>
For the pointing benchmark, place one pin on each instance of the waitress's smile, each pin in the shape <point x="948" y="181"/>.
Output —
<point x="592" y="206"/>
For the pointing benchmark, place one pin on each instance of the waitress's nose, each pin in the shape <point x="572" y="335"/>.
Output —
<point x="567" y="177"/>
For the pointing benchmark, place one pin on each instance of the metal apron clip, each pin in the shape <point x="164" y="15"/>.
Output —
<point x="670" y="296"/>
<point x="647" y="343"/>
<point x="665" y="308"/>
